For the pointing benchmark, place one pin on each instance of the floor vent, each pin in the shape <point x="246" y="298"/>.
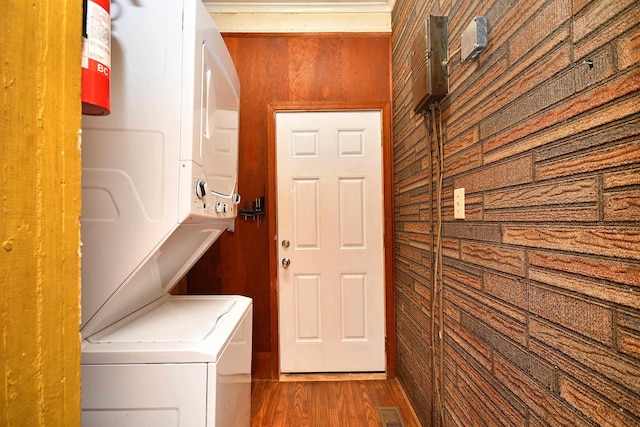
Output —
<point x="391" y="416"/>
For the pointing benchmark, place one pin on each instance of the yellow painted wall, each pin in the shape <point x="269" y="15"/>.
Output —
<point x="40" y="204"/>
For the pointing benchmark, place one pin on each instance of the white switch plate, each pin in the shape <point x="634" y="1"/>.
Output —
<point x="458" y="203"/>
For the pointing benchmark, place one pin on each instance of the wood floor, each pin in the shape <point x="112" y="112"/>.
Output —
<point x="326" y="403"/>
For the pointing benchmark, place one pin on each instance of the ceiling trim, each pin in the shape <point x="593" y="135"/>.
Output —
<point x="303" y="22"/>
<point x="336" y="6"/>
<point x="293" y="16"/>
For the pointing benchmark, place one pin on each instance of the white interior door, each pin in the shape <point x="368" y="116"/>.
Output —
<point x="330" y="230"/>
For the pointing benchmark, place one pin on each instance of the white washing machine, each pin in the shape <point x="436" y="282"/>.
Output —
<point x="159" y="186"/>
<point x="184" y="362"/>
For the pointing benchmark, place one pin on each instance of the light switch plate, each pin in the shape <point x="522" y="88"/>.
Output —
<point x="458" y="203"/>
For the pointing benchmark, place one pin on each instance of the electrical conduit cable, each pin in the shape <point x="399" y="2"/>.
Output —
<point x="436" y="136"/>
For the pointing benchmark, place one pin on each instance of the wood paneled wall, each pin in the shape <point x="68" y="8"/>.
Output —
<point x="541" y="282"/>
<point x="278" y="69"/>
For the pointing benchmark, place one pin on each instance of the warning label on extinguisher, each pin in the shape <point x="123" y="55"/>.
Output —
<point x="97" y="46"/>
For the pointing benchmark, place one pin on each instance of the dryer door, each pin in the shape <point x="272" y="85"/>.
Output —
<point x="219" y="125"/>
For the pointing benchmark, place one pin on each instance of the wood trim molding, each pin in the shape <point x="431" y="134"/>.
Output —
<point x="331" y="377"/>
<point x="389" y="255"/>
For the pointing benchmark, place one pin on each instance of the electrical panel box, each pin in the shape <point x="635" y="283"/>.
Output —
<point x="430" y="78"/>
<point x="475" y="38"/>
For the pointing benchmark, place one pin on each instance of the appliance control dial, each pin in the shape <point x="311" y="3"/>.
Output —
<point x="201" y="189"/>
<point x="221" y="207"/>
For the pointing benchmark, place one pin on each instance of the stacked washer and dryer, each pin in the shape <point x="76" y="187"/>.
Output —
<point x="159" y="186"/>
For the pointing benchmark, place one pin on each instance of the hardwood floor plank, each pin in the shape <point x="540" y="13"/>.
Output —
<point x="326" y="403"/>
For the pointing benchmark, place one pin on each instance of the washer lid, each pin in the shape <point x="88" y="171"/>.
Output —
<point x="175" y="320"/>
<point x="175" y="329"/>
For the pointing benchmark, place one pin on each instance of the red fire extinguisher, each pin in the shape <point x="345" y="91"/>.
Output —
<point x="96" y="58"/>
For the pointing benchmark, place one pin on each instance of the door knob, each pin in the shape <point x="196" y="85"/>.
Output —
<point x="286" y="262"/>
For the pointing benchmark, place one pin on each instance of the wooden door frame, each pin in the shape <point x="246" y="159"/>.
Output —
<point x="271" y="211"/>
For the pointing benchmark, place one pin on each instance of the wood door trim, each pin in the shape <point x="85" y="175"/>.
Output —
<point x="358" y="376"/>
<point x="389" y="255"/>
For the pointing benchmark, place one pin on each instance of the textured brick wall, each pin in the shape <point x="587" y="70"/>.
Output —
<point x="541" y="282"/>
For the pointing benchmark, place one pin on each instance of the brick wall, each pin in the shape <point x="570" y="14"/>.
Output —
<point x="541" y="281"/>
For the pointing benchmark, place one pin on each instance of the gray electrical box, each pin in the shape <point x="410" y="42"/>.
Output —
<point x="430" y="80"/>
<point x="475" y="38"/>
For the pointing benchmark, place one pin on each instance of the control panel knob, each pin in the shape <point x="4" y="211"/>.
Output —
<point x="221" y="207"/>
<point x="201" y="189"/>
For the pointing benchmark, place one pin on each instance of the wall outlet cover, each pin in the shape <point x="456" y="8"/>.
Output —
<point x="458" y="203"/>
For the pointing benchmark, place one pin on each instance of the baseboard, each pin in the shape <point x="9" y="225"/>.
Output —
<point x="334" y="376"/>
<point x="406" y="397"/>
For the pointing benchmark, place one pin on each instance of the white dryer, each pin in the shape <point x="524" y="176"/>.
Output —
<point x="159" y="186"/>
